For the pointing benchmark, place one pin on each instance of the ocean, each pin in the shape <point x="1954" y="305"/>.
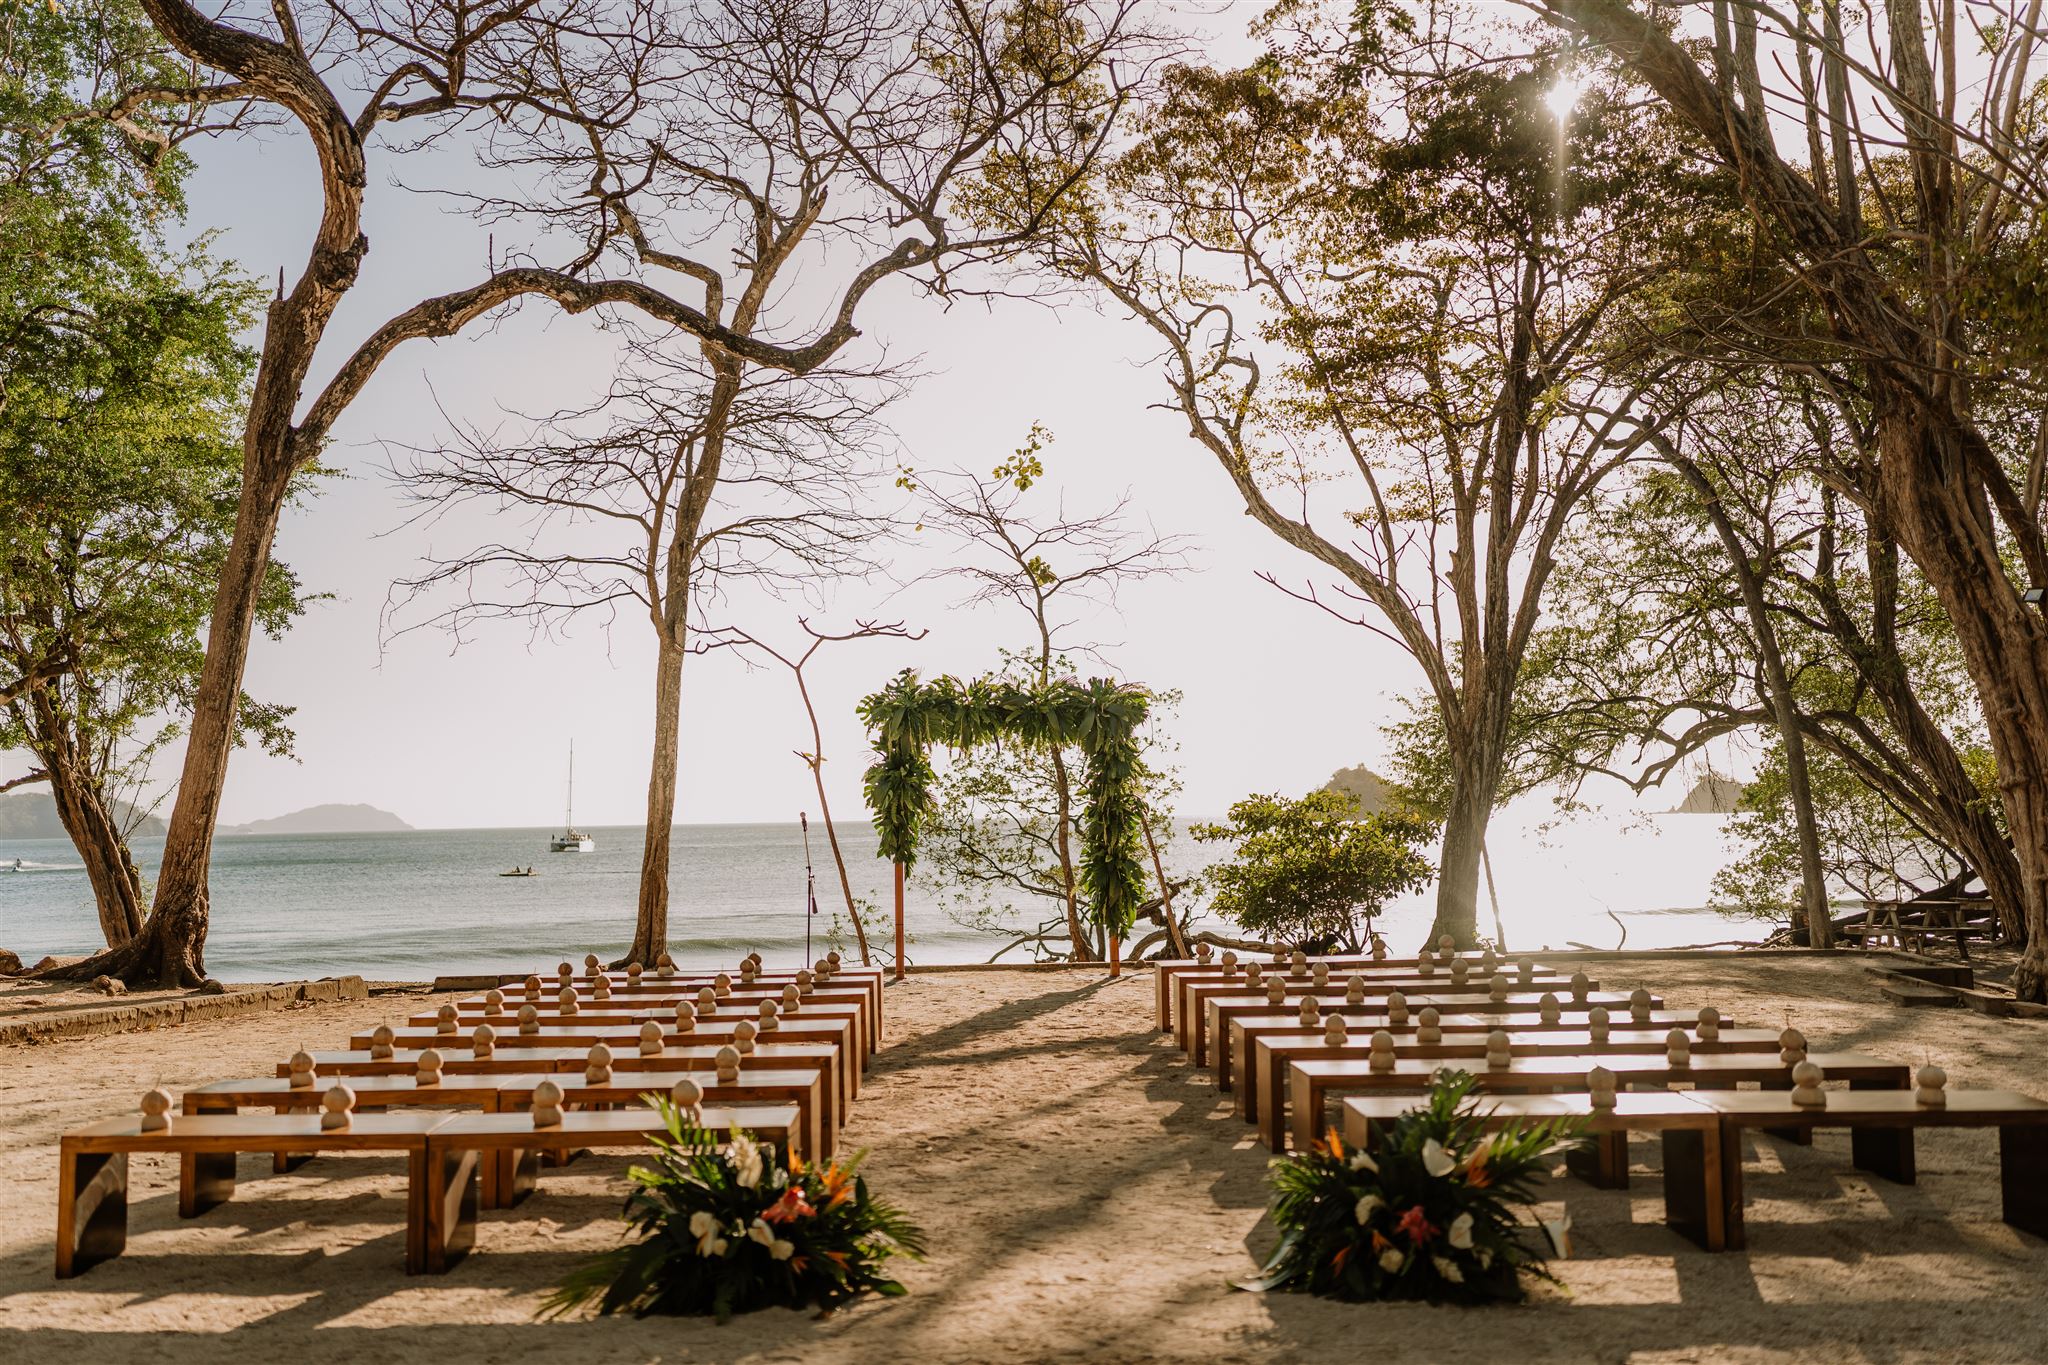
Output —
<point x="412" y="905"/>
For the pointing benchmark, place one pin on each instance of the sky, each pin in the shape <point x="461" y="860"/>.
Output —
<point x="1277" y="694"/>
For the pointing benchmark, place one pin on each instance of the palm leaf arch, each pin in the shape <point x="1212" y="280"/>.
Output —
<point x="1101" y="717"/>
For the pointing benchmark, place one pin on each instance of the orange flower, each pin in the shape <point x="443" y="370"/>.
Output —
<point x="1343" y="1254"/>
<point x="1477" y="1172"/>
<point x="838" y="1258"/>
<point x="1380" y="1243"/>
<point x="1335" y="1144"/>
<point x="789" y="1208"/>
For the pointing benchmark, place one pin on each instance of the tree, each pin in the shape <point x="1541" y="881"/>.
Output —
<point x="1910" y="217"/>
<point x="645" y="124"/>
<point x="689" y="480"/>
<point x="1310" y="872"/>
<point x="1729" y="550"/>
<point x="814" y="757"/>
<point x="1382" y="273"/>
<point x="1005" y="822"/>
<point x="120" y="380"/>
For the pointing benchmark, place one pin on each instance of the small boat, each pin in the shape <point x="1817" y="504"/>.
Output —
<point x="520" y="872"/>
<point x="571" y="839"/>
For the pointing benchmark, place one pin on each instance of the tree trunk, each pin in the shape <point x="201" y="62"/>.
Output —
<point x="171" y="949"/>
<point x="1457" y="885"/>
<point x="1070" y="879"/>
<point x="1813" y="888"/>
<point x="2004" y="643"/>
<point x="87" y="818"/>
<point x="817" y="766"/>
<point x="79" y="795"/>
<point x="650" y="927"/>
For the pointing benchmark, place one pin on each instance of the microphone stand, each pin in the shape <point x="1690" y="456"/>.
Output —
<point x="810" y="885"/>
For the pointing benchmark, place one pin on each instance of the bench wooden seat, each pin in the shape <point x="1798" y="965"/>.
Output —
<point x="1167" y="971"/>
<point x="1310" y="1084"/>
<point x="473" y="1144"/>
<point x="1195" y="993"/>
<point x="609" y="1016"/>
<point x="619" y="1036"/>
<point x="92" y="1170"/>
<point x="1693" y="1203"/>
<point x="1212" y="1022"/>
<point x="1881" y="1124"/>
<point x="1273" y="1052"/>
<point x="1530" y="1036"/>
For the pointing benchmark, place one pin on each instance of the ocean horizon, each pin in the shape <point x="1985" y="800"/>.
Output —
<point x="413" y="904"/>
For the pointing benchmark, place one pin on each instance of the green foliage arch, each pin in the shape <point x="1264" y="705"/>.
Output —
<point x="1101" y="717"/>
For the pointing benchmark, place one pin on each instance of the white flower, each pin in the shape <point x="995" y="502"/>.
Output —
<point x="1390" y="1260"/>
<point x="1362" y="1161"/>
<point x="1486" y="1258"/>
<point x="716" y="1248"/>
<point x="762" y="1233"/>
<point x="747" y="1165"/>
<point x="1436" y="1160"/>
<point x="1368" y="1206"/>
<point x="1461" y="1232"/>
<point x="1448" y="1270"/>
<point x="702" y="1224"/>
<point x="781" y="1250"/>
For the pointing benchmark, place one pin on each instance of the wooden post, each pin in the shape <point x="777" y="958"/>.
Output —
<point x="1116" y="956"/>
<point x="899" y="921"/>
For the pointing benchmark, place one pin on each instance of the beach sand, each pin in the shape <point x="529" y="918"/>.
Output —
<point x="1087" y="1197"/>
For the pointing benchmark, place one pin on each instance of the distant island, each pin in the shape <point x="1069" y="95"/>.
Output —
<point x="1711" y="795"/>
<point x="329" y="819"/>
<point x="1362" y="785"/>
<point x="33" y="815"/>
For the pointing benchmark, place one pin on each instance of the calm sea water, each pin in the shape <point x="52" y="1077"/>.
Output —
<point x="408" y="906"/>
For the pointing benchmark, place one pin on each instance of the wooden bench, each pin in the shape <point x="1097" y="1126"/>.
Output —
<point x="1273" y="1052"/>
<point x="1881" y="1125"/>
<point x="559" y="1030"/>
<point x="92" y="1170"/>
<point x="1694" y="1206"/>
<point x="1167" y="971"/>
<point x="1212" y="1024"/>
<point x="1310" y="1084"/>
<point x="1234" y="1061"/>
<point x="1195" y="994"/>
<point x="472" y="1144"/>
<point x="618" y="1037"/>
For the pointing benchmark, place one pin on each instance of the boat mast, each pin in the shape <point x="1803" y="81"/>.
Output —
<point x="569" y="810"/>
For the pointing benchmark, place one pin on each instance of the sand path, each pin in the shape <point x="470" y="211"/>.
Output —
<point x="1087" y="1197"/>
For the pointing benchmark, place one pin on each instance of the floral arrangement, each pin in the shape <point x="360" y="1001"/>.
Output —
<point x="725" y="1228"/>
<point x="1429" y="1213"/>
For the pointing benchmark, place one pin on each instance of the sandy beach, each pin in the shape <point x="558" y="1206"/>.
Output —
<point x="1087" y="1196"/>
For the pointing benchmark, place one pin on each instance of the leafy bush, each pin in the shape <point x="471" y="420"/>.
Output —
<point x="725" y="1229"/>
<point x="1309" y="872"/>
<point x="1430" y="1213"/>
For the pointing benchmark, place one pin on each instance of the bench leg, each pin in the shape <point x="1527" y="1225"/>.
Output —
<point x="1703" y="1185"/>
<point x="1603" y="1164"/>
<point x="206" y="1180"/>
<point x="518" y="1175"/>
<point x="1695" y="1186"/>
<point x="92" y="1209"/>
<point x="448" y="1206"/>
<point x="2022" y="1148"/>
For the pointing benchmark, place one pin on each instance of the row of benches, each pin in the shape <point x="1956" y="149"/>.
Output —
<point x="1290" y="1038"/>
<point x="476" y="1109"/>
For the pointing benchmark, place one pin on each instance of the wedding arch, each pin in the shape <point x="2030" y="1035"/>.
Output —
<point x="1101" y="717"/>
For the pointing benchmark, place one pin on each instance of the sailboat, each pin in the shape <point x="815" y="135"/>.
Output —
<point x="571" y="839"/>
